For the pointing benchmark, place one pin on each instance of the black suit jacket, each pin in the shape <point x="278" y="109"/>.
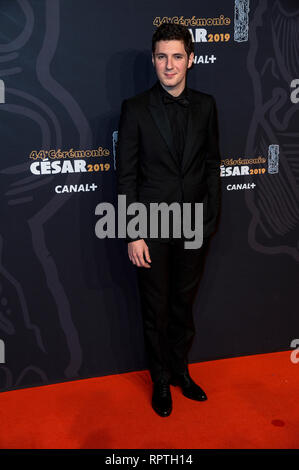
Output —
<point x="146" y="163"/>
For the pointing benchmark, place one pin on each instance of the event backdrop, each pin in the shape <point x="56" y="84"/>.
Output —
<point x="69" y="305"/>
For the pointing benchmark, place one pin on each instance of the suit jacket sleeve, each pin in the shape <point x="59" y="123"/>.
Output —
<point x="212" y="173"/>
<point x="127" y="156"/>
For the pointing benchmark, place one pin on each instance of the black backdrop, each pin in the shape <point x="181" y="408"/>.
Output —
<point x="69" y="304"/>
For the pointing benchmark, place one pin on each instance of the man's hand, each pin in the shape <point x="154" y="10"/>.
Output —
<point x="138" y="252"/>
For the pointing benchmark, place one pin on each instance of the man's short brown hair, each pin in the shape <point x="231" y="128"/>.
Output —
<point x="169" y="31"/>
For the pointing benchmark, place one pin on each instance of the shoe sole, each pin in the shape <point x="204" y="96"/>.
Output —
<point x="196" y="399"/>
<point x="162" y="415"/>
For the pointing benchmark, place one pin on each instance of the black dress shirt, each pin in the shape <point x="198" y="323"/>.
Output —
<point x="177" y="110"/>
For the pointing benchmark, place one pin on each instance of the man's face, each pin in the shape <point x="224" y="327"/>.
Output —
<point x="171" y="63"/>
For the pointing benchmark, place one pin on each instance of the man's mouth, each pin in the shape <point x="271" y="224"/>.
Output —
<point x="169" y="75"/>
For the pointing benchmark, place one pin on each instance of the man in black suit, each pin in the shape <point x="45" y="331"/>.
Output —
<point x="168" y="152"/>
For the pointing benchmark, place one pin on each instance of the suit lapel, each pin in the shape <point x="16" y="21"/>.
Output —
<point x="192" y="125"/>
<point x="158" y="112"/>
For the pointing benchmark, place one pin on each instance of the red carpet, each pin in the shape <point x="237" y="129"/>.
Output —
<point x="252" y="404"/>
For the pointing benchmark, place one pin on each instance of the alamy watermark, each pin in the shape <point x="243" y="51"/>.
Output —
<point x="2" y="352"/>
<point x="295" y="93"/>
<point x="295" y="354"/>
<point x="2" y="92"/>
<point x="159" y="215"/>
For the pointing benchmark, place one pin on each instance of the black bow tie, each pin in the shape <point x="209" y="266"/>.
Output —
<point x="167" y="99"/>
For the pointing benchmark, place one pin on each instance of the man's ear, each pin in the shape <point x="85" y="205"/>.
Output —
<point x="190" y="60"/>
<point x="153" y="61"/>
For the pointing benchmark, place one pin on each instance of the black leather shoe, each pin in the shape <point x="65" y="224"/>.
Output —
<point x="189" y="388"/>
<point x="161" y="400"/>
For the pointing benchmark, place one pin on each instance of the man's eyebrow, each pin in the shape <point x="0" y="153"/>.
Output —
<point x="174" y="53"/>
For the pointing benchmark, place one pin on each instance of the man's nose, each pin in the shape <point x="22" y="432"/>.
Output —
<point x="169" y="63"/>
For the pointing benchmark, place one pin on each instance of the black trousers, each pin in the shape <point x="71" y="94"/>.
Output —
<point x="167" y="293"/>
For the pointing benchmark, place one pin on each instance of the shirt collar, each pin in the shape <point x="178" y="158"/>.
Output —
<point x="184" y="93"/>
